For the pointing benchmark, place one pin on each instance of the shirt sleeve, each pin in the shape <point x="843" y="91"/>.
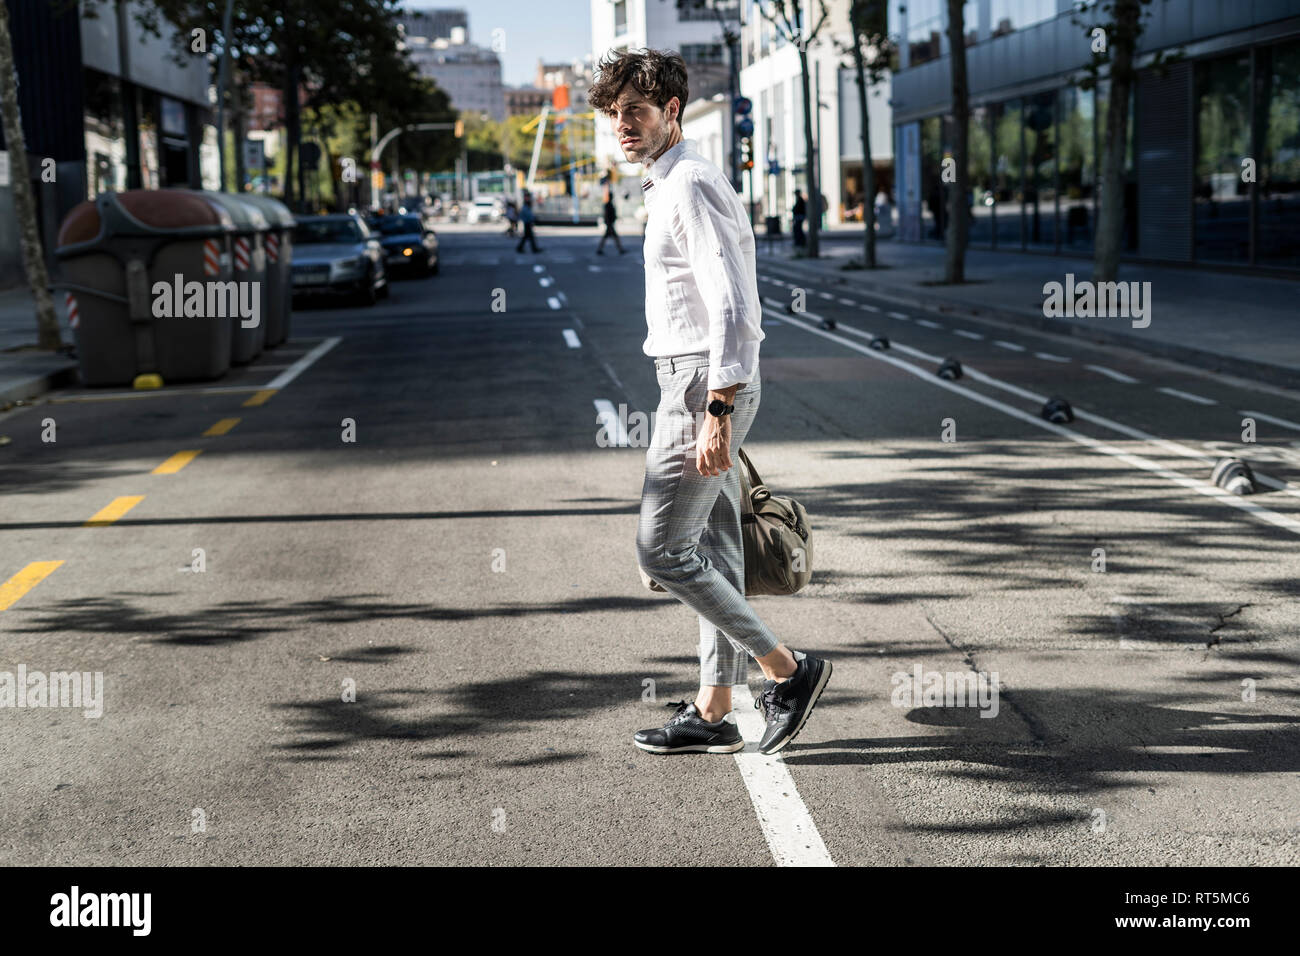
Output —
<point x="708" y="235"/>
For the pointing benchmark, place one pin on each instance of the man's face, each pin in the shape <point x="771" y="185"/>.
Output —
<point x="642" y="128"/>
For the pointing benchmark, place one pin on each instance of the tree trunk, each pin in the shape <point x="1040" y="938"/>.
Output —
<point x="868" y="171"/>
<point x="239" y="126"/>
<point x="958" y="207"/>
<point x="29" y="237"/>
<point x="810" y="163"/>
<point x="1110" y="219"/>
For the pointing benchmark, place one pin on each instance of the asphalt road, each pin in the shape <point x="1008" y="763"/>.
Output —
<point x="466" y="566"/>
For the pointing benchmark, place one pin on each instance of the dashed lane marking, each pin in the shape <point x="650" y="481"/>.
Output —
<point x="968" y="335"/>
<point x="113" y="510"/>
<point x="261" y="397"/>
<point x="176" y="462"/>
<point x="26" y="579"/>
<point x="221" y="427"/>
<point x="1187" y="396"/>
<point x="571" y="339"/>
<point x="300" y="366"/>
<point x="1049" y="357"/>
<point x="1112" y="374"/>
<point x="1012" y="346"/>
<point x="1273" y="420"/>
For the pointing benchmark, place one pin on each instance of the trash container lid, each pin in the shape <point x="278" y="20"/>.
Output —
<point x="142" y="212"/>
<point x="276" y="212"/>
<point x="247" y="217"/>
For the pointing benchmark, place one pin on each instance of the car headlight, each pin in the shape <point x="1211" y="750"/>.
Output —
<point x="349" y="266"/>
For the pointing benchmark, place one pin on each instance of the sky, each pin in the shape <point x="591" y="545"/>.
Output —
<point x="556" y="30"/>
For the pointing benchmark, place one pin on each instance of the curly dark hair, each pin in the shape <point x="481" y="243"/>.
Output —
<point x="658" y="75"/>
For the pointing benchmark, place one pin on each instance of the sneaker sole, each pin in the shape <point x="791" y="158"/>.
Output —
<point x="694" y="748"/>
<point x="817" y="693"/>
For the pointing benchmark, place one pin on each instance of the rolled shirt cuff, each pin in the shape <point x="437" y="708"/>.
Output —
<point x="724" y="376"/>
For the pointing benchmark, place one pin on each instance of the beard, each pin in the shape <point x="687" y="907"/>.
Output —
<point x="649" y="146"/>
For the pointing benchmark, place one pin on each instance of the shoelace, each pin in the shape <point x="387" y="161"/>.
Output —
<point x="769" y="703"/>
<point x="681" y="706"/>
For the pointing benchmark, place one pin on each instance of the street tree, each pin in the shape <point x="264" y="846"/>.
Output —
<point x="29" y="237"/>
<point x="788" y="18"/>
<point x="872" y="52"/>
<point x="954" y="270"/>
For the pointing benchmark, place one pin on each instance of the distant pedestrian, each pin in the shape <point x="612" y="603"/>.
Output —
<point x="527" y="218"/>
<point x="512" y="217"/>
<point x="800" y="213"/>
<point x="611" y="217"/>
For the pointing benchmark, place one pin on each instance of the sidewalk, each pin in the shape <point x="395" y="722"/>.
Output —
<point x="1239" y="324"/>
<point x="26" y="372"/>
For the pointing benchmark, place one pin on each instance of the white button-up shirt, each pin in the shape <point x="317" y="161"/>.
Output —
<point x="701" y="282"/>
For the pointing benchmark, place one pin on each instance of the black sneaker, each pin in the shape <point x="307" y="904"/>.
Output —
<point x="787" y="704"/>
<point x="687" y="732"/>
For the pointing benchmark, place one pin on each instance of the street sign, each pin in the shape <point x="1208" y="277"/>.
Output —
<point x="254" y="154"/>
<point x="745" y="127"/>
<point x="742" y="105"/>
<point x="774" y="167"/>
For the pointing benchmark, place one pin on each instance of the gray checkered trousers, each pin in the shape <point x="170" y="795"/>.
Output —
<point x="688" y="536"/>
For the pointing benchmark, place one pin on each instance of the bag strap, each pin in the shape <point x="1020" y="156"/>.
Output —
<point x="754" y="479"/>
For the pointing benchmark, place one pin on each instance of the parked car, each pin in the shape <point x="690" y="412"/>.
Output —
<point x="484" y="209"/>
<point x="409" y="245"/>
<point x="337" y="254"/>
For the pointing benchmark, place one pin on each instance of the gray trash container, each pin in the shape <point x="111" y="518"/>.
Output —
<point x="248" y="256"/>
<point x="125" y="263"/>
<point x="279" y="266"/>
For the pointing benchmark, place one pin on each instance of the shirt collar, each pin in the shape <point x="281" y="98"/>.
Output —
<point x="661" y="166"/>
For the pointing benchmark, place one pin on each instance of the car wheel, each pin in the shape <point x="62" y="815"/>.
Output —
<point x="367" y="292"/>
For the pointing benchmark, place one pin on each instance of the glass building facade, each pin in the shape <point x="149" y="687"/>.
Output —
<point x="1213" y="165"/>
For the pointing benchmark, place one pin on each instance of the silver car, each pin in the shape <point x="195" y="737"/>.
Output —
<point x="338" y="255"/>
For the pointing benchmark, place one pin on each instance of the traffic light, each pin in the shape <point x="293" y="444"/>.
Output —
<point x="746" y="153"/>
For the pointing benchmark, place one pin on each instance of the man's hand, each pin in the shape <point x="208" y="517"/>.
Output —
<point x="713" y="446"/>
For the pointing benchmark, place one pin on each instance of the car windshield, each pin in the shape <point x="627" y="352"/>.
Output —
<point x="311" y="231"/>
<point x="399" y="225"/>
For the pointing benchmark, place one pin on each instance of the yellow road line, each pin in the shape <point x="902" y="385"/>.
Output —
<point x="113" y="510"/>
<point x="260" y="397"/>
<point x="176" y="462"/>
<point x="221" y="427"/>
<point x="24" y="581"/>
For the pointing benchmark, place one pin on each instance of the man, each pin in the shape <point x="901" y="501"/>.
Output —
<point x="526" y="217"/>
<point x="800" y="213"/>
<point x="702" y="314"/>
<point x="611" y="217"/>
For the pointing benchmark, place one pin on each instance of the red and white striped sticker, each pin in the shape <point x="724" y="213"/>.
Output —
<point x="211" y="257"/>
<point x="272" y="247"/>
<point x="242" y="254"/>
<point x="74" y="317"/>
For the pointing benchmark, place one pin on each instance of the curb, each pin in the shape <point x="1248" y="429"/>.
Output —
<point x="22" y="389"/>
<point x="1279" y="375"/>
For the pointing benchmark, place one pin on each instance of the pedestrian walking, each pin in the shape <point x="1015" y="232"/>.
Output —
<point x="611" y="216"/>
<point x="800" y="213"/>
<point x="702" y="315"/>
<point x="526" y="217"/>
<point x="512" y="218"/>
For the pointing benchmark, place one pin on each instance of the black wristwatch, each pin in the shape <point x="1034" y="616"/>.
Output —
<point x="718" y="408"/>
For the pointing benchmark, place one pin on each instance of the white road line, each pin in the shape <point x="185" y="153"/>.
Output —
<point x="930" y="325"/>
<point x="844" y="301"/>
<point x="900" y="316"/>
<point x="1049" y="357"/>
<point x="1187" y="396"/>
<point x="1200" y="487"/>
<point x="1111" y="373"/>
<point x="553" y="302"/>
<point x="826" y="295"/>
<point x="607" y="416"/>
<point x="787" y="825"/>
<point x="539" y="268"/>
<point x="1008" y="345"/>
<point x="544" y="281"/>
<point x="300" y="366"/>
<point x="562" y="297"/>
<point x="968" y="335"/>
<point x="869" y="308"/>
<point x="1285" y="423"/>
<point x="593" y="268"/>
<point x="571" y="339"/>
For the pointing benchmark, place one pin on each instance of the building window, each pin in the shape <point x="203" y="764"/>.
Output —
<point x="1078" y="168"/>
<point x="703" y="53"/>
<point x="1278" y="108"/>
<point x="704" y="10"/>
<point x="620" y="18"/>
<point x="1222" y="199"/>
<point x="924" y="29"/>
<point x="105" y="135"/>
